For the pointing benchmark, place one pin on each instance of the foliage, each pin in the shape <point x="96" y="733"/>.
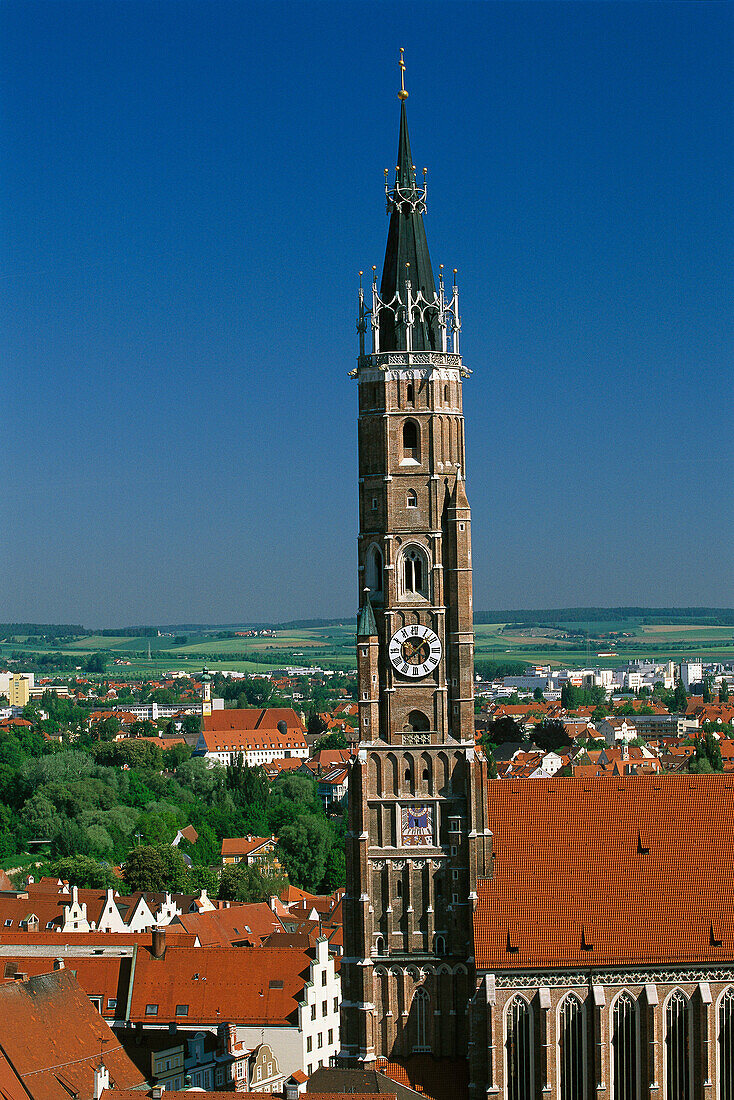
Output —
<point x="501" y="731"/>
<point x="155" y="867"/>
<point x="680" y="699"/>
<point x="315" y="725"/>
<point x="85" y="872"/>
<point x="707" y="757"/>
<point x="239" y="882"/>
<point x="333" y="740"/>
<point x="573" y="697"/>
<point x="551" y="736"/>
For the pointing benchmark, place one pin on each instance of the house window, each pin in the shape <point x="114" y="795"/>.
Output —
<point x="677" y="1047"/>
<point x="325" y="1008"/>
<point x="571" y="1049"/>
<point x="411" y="442"/>
<point x="412" y="499"/>
<point x="8" y="923"/>
<point x="519" y="1050"/>
<point x="726" y="1045"/>
<point x="330" y="1039"/>
<point x="323" y="978"/>
<point x="625" y="1049"/>
<point x="375" y="504"/>
<point x="182" y="1010"/>
<point x="309" y="1045"/>
<point x="111" y="1002"/>
<point x="313" y="1012"/>
<point x="320" y="1040"/>
<point x="151" y="1010"/>
<point x="336" y="1004"/>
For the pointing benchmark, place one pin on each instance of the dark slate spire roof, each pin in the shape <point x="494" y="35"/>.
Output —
<point x="406" y="243"/>
<point x="366" y="625"/>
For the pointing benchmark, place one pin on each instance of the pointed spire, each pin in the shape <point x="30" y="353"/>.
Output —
<point x="458" y="498"/>
<point x="406" y="257"/>
<point x="366" y="625"/>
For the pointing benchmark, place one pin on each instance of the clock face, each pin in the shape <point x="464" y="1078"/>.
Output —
<point x="417" y="825"/>
<point x="415" y="650"/>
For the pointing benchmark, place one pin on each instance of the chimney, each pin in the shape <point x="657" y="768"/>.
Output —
<point x="157" y="1091"/>
<point x="101" y="1080"/>
<point x="159" y="942"/>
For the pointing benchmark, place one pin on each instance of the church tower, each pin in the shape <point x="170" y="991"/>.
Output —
<point x="417" y="839"/>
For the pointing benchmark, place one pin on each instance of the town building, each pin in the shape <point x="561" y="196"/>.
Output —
<point x="256" y="736"/>
<point x="254" y="851"/>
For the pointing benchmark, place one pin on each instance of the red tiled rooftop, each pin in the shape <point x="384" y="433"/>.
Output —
<point x="608" y="871"/>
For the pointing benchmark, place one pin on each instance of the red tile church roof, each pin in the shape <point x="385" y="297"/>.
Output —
<point x="609" y="871"/>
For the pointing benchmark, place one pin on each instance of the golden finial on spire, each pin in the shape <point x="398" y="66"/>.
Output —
<point x="402" y="94"/>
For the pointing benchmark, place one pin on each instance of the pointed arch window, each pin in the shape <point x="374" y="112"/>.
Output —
<point x="439" y="945"/>
<point x="625" y="1049"/>
<point x="677" y="1047"/>
<point x="379" y="946"/>
<point x="446" y="394"/>
<point x="410" y="393"/>
<point x="519" y="1050"/>
<point x="571" y="1049"/>
<point x="411" y="442"/>
<point x="726" y="1045"/>
<point x="374" y="571"/>
<point x="421" y="1003"/>
<point x="414" y="572"/>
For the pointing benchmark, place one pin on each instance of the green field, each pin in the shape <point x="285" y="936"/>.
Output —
<point x="603" y="639"/>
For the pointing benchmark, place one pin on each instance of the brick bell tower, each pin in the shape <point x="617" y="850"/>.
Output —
<point x="417" y="838"/>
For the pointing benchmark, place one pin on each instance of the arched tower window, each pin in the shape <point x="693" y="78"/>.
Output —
<point x="412" y="500"/>
<point x="519" y="1050"/>
<point x="625" y="1049"/>
<point x="411" y="442"/>
<point x="446" y="394"/>
<point x="418" y="721"/>
<point x="421" y="1002"/>
<point x="677" y="1047"/>
<point x="726" y="1045"/>
<point x="410" y="394"/>
<point x="379" y="946"/>
<point x="374" y="571"/>
<point x="414" y="572"/>
<point x="571" y="1049"/>
<point x="439" y="945"/>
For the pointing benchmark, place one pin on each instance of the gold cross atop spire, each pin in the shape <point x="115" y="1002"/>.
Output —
<point x="402" y="94"/>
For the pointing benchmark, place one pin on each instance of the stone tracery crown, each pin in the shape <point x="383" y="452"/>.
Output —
<point x="409" y="310"/>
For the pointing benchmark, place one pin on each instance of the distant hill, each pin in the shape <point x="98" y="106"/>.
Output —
<point x="695" y="616"/>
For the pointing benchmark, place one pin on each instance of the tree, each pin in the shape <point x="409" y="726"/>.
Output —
<point x="144" y="869"/>
<point x="538" y="695"/>
<point x="680" y="698"/>
<point x="551" y="736"/>
<point x="708" y="693"/>
<point x="333" y="740"/>
<point x="96" y="663"/>
<point x="315" y="725"/>
<point x="107" y="728"/>
<point x="304" y="847"/>
<point x="191" y="724"/>
<point x="501" y="731"/>
<point x="85" y="872"/>
<point x="239" y="882"/>
<point x="723" y="691"/>
<point x="707" y="757"/>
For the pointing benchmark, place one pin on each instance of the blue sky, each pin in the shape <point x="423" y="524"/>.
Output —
<point x="188" y="192"/>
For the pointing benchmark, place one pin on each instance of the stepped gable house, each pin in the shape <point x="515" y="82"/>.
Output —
<point x="560" y="938"/>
